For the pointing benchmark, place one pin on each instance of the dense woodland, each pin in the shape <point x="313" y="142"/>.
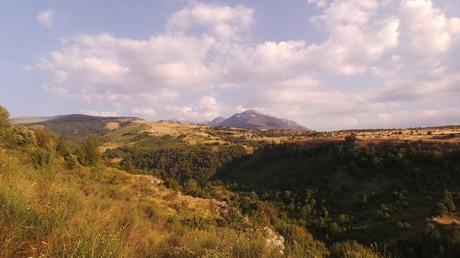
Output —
<point x="380" y="194"/>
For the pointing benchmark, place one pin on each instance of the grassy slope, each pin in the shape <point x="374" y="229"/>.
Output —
<point x="103" y="212"/>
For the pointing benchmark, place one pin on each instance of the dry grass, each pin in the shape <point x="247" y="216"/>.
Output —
<point x="105" y="212"/>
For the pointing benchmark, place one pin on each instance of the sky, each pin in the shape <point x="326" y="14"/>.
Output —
<point x="327" y="64"/>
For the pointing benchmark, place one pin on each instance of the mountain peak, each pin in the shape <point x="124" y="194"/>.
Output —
<point x="253" y="119"/>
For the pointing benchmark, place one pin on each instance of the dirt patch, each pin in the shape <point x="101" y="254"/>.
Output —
<point x="112" y="125"/>
<point x="446" y="220"/>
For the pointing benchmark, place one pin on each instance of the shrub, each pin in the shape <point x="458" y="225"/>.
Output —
<point x="41" y="158"/>
<point x="88" y="154"/>
<point x="23" y="137"/>
<point x="45" y="140"/>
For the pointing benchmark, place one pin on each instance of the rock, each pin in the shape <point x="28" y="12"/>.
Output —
<point x="274" y="240"/>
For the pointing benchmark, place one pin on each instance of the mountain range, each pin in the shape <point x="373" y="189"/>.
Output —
<point x="251" y="119"/>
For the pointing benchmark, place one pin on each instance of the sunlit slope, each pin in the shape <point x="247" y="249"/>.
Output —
<point x="49" y="210"/>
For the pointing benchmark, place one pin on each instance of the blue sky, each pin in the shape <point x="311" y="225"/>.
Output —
<point x="329" y="64"/>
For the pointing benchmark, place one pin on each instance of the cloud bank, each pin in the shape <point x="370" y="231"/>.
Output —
<point x="382" y="64"/>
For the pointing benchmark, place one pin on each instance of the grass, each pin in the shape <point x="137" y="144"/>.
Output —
<point x="104" y="212"/>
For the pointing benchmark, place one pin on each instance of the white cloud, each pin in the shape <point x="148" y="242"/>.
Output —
<point x="149" y="112"/>
<point x="319" y="3"/>
<point x="427" y="31"/>
<point x="99" y="113"/>
<point x="46" y="18"/>
<point x="103" y="66"/>
<point x="378" y="64"/>
<point x="206" y="110"/>
<point x="223" y="22"/>
<point x="357" y="36"/>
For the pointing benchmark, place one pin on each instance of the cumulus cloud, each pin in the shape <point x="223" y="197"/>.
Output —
<point x="427" y="31"/>
<point x="46" y="18"/>
<point x="207" y="109"/>
<point x="377" y="65"/>
<point x="357" y="36"/>
<point x="103" y="66"/>
<point x="222" y="22"/>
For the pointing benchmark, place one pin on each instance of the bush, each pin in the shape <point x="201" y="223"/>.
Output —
<point x="88" y="154"/>
<point x="45" y="140"/>
<point x="23" y="137"/>
<point x="41" y="158"/>
<point x="63" y="149"/>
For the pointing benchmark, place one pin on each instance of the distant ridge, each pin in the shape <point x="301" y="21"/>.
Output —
<point x="32" y="119"/>
<point x="28" y="120"/>
<point x="258" y="121"/>
<point x="75" y="126"/>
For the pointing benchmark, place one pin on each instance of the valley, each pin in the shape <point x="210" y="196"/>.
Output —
<point x="373" y="193"/>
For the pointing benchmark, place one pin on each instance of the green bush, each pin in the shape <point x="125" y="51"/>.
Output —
<point x="41" y="158"/>
<point x="88" y="153"/>
<point x="23" y="137"/>
<point x="45" y="140"/>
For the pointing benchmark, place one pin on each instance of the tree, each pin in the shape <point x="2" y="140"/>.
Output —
<point x="350" y="139"/>
<point x="4" y="122"/>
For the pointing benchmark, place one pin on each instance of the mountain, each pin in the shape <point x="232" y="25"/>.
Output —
<point x="255" y="120"/>
<point x="216" y="121"/>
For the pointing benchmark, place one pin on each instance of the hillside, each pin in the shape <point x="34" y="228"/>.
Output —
<point x="256" y="120"/>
